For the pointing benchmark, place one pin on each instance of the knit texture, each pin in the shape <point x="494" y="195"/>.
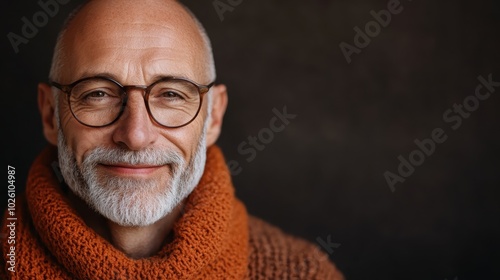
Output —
<point x="215" y="238"/>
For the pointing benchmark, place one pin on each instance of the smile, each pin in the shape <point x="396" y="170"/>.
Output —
<point x="131" y="170"/>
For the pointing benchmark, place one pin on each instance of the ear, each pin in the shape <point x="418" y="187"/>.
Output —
<point x="219" y="104"/>
<point x="46" y="105"/>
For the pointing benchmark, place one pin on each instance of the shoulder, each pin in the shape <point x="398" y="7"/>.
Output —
<point x="275" y="254"/>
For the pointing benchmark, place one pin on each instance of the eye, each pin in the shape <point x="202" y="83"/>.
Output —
<point x="95" y="94"/>
<point x="171" y="95"/>
<point x="97" y="97"/>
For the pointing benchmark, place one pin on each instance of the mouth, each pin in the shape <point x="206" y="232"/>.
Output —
<point x="131" y="170"/>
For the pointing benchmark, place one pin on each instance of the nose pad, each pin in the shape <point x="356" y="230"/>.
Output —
<point x="135" y="128"/>
<point x="133" y="103"/>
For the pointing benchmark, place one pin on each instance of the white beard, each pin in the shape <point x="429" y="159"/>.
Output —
<point x="128" y="201"/>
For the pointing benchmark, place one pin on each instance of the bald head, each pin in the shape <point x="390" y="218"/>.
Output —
<point x="139" y="37"/>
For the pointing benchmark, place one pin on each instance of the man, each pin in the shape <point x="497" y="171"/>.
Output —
<point x="132" y="116"/>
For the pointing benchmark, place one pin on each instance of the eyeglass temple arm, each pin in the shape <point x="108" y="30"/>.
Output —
<point x="63" y="88"/>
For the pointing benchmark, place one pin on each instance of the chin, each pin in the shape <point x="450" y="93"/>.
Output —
<point x="132" y="202"/>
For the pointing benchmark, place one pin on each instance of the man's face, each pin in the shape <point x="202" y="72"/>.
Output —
<point x="133" y="166"/>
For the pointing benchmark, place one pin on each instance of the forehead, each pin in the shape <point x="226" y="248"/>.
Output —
<point x="133" y="42"/>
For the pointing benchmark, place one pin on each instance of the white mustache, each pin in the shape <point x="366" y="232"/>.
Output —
<point x="148" y="156"/>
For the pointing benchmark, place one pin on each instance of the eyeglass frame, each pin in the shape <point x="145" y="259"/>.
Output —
<point x="202" y="90"/>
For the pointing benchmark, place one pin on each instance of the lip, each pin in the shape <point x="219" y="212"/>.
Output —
<point x="131" y="170"/>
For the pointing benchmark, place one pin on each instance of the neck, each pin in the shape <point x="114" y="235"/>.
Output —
<point x="142" y="242"/>
<point x="136" y="242"/>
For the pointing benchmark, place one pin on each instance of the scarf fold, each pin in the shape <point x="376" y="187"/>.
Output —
<point x="210" y="240"/>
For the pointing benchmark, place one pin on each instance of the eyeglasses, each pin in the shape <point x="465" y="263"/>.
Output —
<point x="100" y="101"/>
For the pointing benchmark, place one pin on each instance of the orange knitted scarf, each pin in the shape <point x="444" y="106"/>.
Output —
<point x="52" y="242"/>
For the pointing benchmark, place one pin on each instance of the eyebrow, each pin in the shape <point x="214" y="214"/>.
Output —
<point x="114" y="77"/>
<point x="180" y="76"/>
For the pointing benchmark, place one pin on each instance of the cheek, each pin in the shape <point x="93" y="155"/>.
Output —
<point x="65" y="116"/>
<point x="81" y="140"/>
<point x="184" y="139"/>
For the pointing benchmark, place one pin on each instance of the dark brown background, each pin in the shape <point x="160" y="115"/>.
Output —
<point x="323" y="175"/>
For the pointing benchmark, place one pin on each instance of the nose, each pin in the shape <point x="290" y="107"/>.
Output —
<point x="135" y="130"/>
